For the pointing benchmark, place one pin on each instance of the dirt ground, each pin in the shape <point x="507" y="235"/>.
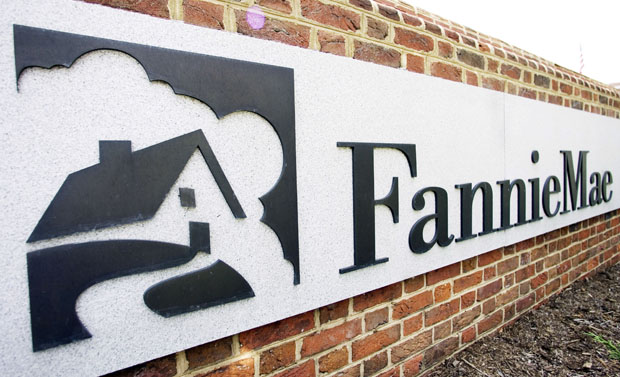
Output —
<point x="552" y="340"/>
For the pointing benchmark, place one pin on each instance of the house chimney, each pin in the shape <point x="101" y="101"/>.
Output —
<point x="114" y="150"/>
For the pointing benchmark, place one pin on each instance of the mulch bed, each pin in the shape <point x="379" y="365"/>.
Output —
<point x="552" y="340"/>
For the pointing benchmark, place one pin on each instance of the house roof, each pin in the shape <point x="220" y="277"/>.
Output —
<point x="125" y="187"/>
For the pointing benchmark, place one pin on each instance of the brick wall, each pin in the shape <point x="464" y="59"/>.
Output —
<point x="408" y="327"/>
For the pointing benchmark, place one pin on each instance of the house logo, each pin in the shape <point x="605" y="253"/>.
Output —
<point x="130" y="186"/>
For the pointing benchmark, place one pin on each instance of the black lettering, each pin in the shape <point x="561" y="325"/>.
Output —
<point x="595" y="192"/>
<point x="467" y="199"/>
<point x="506" y="187"/>
<point x="364" y="199"/>
<point x="547" y="192"/>
<point x="535" y="199"/>
<point x="575" y="183"/>
<point x="416" y="235"/>
<point x="607" y="180"/>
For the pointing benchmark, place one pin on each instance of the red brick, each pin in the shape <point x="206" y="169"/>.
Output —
<point x="540" y="294"/>
<point x="489" y="306"/>
<point x="415" y="64"/>
<point x="539" y="280"/>
<point x="508" y="265"/>
<point x="538" y="253"/>
<point x="511" y="71"/>
<point x="556" y="100"/>
<point x="388" y="12"/>
<point x="525" y="302"/>
<point x="469" y="41"/>
<point x="373" y="53"/>
<point x="394" y="372"/>
<point x="490" y="322"/>
<point x="471" y="78"/>
<point x="527" y="93"/>
<point x="334" y="311"/>
<point x="553" y="286"/>
<point x="445" y="49"/>
<point x="334" y="360"/>
<point x="241" y="368"/>
<point x="526" y="258"/>
<point x="524" y="288"/>
<point x="440" y="351"/>
<point x="304" y="370"/>
<point x="277" y="357"/>
<point x="443" y="273"/>
<point x="275" y="30"/>
<point x="509" y="312"/>
<point x="433" y="28"/>
<point x="525" y="273"/>
<point x="331" y="15"/>
<point x="592" y="264"/>
<point x="377" y="29"/>
<point x="489" y="289"/>
<point x="552" y="260"/>
<point x="470" y="58"/>
<point x="509" y="250"/>
<point x="272" y="332"/>
<point x="413" y="284"/>
<point x="443" y="330"/>
<point x="452" y="35"/>
<point x="375" y="364"/>
<point x="201" y="13"/>
<point x="493" y="84"/>
<point x="209" y="353"/>
<point x="283" y="6"/>
<point x="468" y="299"/>
<point x="413" y="324"/>
<point x="564" y="242"/>
<point x="465" y="318"/>
<point x="374" y="342"/>
<point x="490" y="273"/>
<point x="162" y="367"/>
<point x="492" y="65"/>
<point x="378" y="296"/>
<point x="376" y="318"/>
<point x="411" y="20"/>
<point x="468" y="281"/>
<point x="468" y="335"/>
<point x="490" y="257"/>
<point x="364" y="4"/>
<point x="331" y="43"/>
<point x="508" y="296"/>
<point x="442" y="292"/>
<point x="509" y="280"/>
<point x="411" y="305"/>
<point x="469" y="264"/>
<point x="414" y="345"/>
<point x="330" y="337"/>
<point x="413" y="40"/>
<point x="412" y="367"/>
<point x="441" y="312"/>
<point x="354" y="371"/>
<point x="511" y="88"/>
<point x="157" y="8"/>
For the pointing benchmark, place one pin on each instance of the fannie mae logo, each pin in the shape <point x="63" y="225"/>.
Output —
<point x="128" y="186"/>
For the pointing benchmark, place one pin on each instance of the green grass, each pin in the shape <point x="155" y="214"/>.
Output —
<point x="614" y="349"/>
